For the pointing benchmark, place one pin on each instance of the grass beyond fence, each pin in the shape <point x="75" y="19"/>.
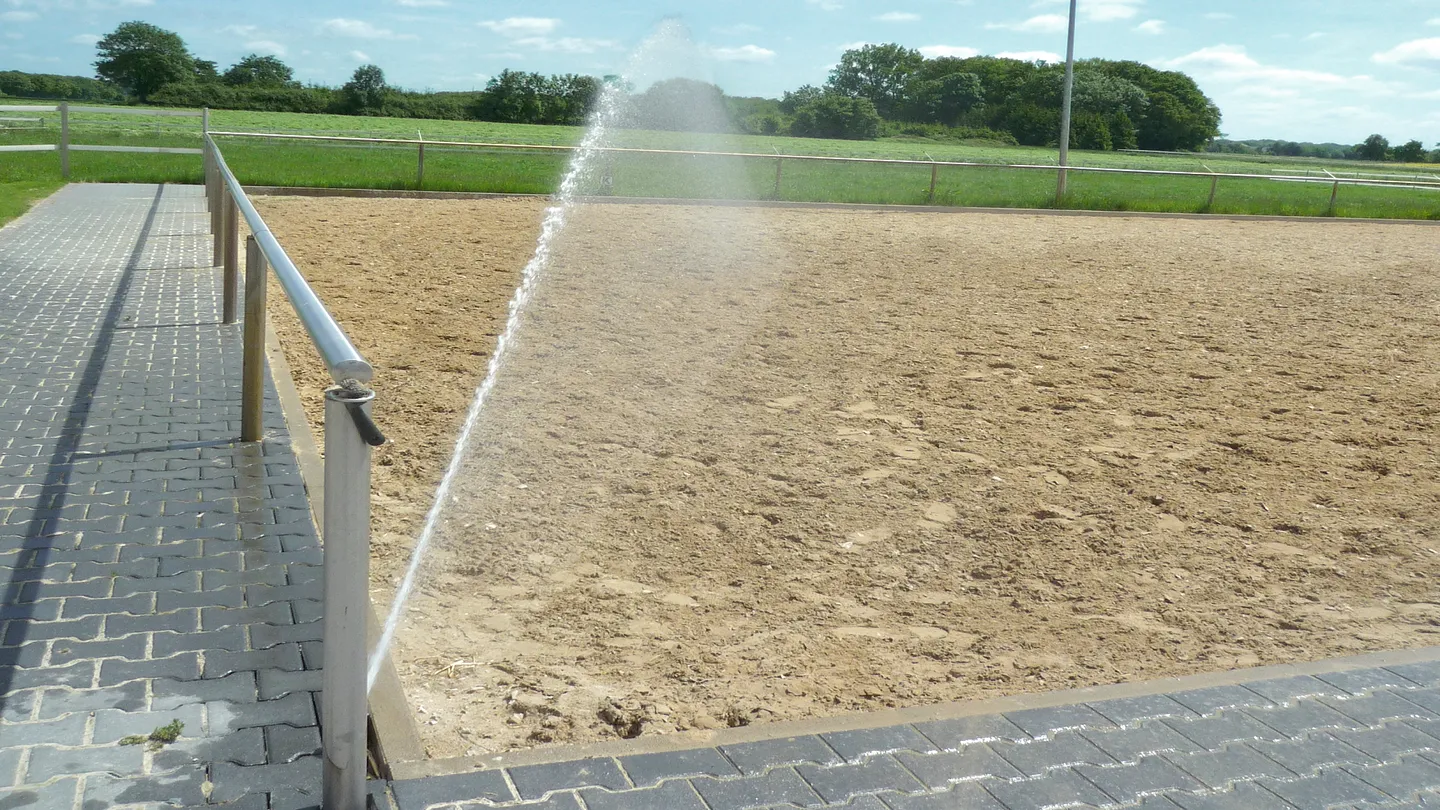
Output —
<point x="393" y="166"/>
<point x="17" y="197"/>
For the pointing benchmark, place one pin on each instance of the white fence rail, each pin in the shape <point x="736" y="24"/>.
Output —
<point x="65" y="147"/>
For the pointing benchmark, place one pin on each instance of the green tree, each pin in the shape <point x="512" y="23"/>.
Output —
<point x="513" y="97"/>
<point x="947" y="100"/>
<point x="877" y="73"/>
<point x="1375" y="147"/>
<point x="681" y="105"/>
<point x="255" y="70"/>
<point x="141" y="58"/>
<point x="366" y="90"/>
<point x="833" y="115"/>
<point x="1410" y="152"/>
<point x="794" y="100"/>
<point x="206" y="71"/>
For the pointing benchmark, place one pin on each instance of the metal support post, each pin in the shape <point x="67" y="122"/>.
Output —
<point x="1214" y="186"/>
<point x="420" y="168"/>
<point x="1061" y="180"/>
<point x="346" y="538"/>
<point x="65" y="140"/>
<point x="934" y="175"/>
<point x="230" y="242"/>
<point x="779" y="169"/>
<point x="252" y="375"/>
<point x="1334" y="197"/>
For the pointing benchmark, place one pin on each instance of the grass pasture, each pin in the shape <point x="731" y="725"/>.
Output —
<point x="336" y="165"/>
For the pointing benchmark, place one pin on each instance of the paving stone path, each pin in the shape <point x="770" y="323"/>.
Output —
<point x="154" y="569"/>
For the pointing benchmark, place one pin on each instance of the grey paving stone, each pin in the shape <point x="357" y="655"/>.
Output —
<point x="965" y="796"/>
<point x="128" y="697"/>
<point x="1244" y="796"/>
<point x="1128" y="711"/>
<point x="1361" y="681"/>
<point x="1310" y="754"/>
<point x="1059" y="788"/>
<point x="854" y="746"/>
<point x="1289" y="690"/>
<point x="1217" y="730"/>
<point x="47" y="763"/>
<point x="277" y="683"/>
<point x="418" y="794"/>
<point x="1389" y="740"/>
<point x="283" y="656"/>
<point x="1218" y="698"/>
<point x="1425" y="674"/>
<point x="234" y="781"/>
<point x="245" y="746"/>
<point x="61" y="794"/>
<point x="1233" y="763"/>
<point x="86" y="629"/>
<point x="214" y="580"/>
<point x="177" y="788"/>
<point x="648" y="769"/>
<point x="184" y="548"/>
<point x="185" y="666"/>
<point x="47" y="610"/>
<point x="180" y="621"/>
<point x="287" y="743"/>
<point x="1324" y="790"/>
<point x="1129" y="783"/>
<point x="678" y="795"/>
<point x="1403" y="779"/>
<point x="230" y="638"/>
<point x="837" y="784"/>
<point x="1065" y="748"/>
<point x="297" y="710"/>
<point x="9" y="767"/>
<point x="1130" y="744"/>
<point x="67" y="730"/>
<point x="76" y="675"/>
<point x="182" y="583"/>
<point x="236" y="688"/>
<point x="534" y="781"/>
<point x="79" y="606"/>
<point x="1048" y="721"/>
<point x="17" y="707"/>
<point x="264" y="636"/>
<point x="1295" y="719"/>
<point x="757" y="757"/>
<point x="112" y="725"/>
<point x="561" y="801"/>
<point x="1427" y="698"/>
<point x="168" y="601"/>
<point x="777" y="787"/>
<point x="1378" y="707"/>
<point x="39" y="591"/>
<point x="973" y="762"/>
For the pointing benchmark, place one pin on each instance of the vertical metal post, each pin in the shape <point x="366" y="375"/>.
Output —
<point x="1065" y="108"/>
<point x="779" y="169"/>
<point x="347" y="571"/>
<point x="65" y="140"/>
<point x="1334" y="196"/>
<point x="934" y="175"/>
<point x="1214" y="186"/>
<point x="230" y="236"/>
<point x="252" y="375"/>
<point x="420" y="168"/>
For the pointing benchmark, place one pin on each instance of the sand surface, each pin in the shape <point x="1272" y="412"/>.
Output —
<point x="758" y="465"/>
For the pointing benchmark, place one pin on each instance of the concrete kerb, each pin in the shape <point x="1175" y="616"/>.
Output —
<point x="894" y="717"/>
<point x="392" y="723"/>
<point x="403" y="194"/>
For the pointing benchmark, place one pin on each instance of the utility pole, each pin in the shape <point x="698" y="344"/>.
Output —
<point x="1065" y="107"/>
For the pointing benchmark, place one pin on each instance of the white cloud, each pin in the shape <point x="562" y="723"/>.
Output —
<point x="266" y="47"/>
<point x="825" y="5"/>
<point x="18" y="16"/>
<point x="1152" y="27"/>
<point x="360" y="56"/>
<point x="957" y="51"/>
<point x="360" y="29"/>
<point x="744" y="53"/>
<point x="567" y="44"/>
<point x="1042" y="24"/>
<point x="85" y="39"/>
<point x="1433" y="21"/>
<point x="1103" y="10"/>
<point x="1231" y="64"/>
<point x="1423" y="53"/>
<point x="522" y="26"/>
<point x="898" y="17"/>
<point x="1031" y="56"/>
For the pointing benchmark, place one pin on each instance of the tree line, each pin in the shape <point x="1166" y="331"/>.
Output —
<point x="874" y="91"/>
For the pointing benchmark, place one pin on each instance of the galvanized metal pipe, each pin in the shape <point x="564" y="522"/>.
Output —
<point x="252" y="374"/>
<point x="344" y="707"/>
<point x="339" y="354"/>
<point x="1060" y="185"/>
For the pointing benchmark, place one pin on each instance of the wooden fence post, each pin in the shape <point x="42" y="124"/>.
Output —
<point x="65" y="140"/>
<point x="779" y="168"/>
<point x="934" y="175"/>
<point x="1214" y="184"/>
<point x="1334" y="195"/>
<point x="420" y="168"/>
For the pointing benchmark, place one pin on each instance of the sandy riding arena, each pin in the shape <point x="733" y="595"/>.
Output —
<point x="753" y="465"/>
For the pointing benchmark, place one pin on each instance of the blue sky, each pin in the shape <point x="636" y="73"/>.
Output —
<point x="1280" y="68"/>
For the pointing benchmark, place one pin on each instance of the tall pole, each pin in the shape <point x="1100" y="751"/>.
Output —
<point x="1065" y="106"/>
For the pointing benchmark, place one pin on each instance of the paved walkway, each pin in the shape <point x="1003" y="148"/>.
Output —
<point x="154" y="569"/>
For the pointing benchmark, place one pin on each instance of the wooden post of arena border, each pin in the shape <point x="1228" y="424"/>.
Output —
<point x="420" y="165"/>
<point x="934" y="175"/>
<point x="779" y="169"/>
<point x="65" y="140"/>
<point x="1214" y="186"/>
<point x="1334" y="196"/>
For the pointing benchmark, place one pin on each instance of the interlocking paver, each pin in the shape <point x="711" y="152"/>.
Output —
<point x="1065" y="748"/>
<point x="678" y="795"/>
<point x="973" y="762"/>
<point x="777" y="787"/>
<point x="534" y="781"/>
<point x="648" y="769"/>
<point x="130" y="469"/>
<point x="757" y="757"/>
<point x="839" y="783"/>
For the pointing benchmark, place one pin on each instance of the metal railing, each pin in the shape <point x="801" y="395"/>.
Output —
<point x="350" y="434"/>
<point x="65" y="147"/>
<point x="1334" y="180"/>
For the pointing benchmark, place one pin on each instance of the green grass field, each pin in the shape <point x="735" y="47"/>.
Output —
<point x="292" y="163"/>
<point x="17" y="197"/>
